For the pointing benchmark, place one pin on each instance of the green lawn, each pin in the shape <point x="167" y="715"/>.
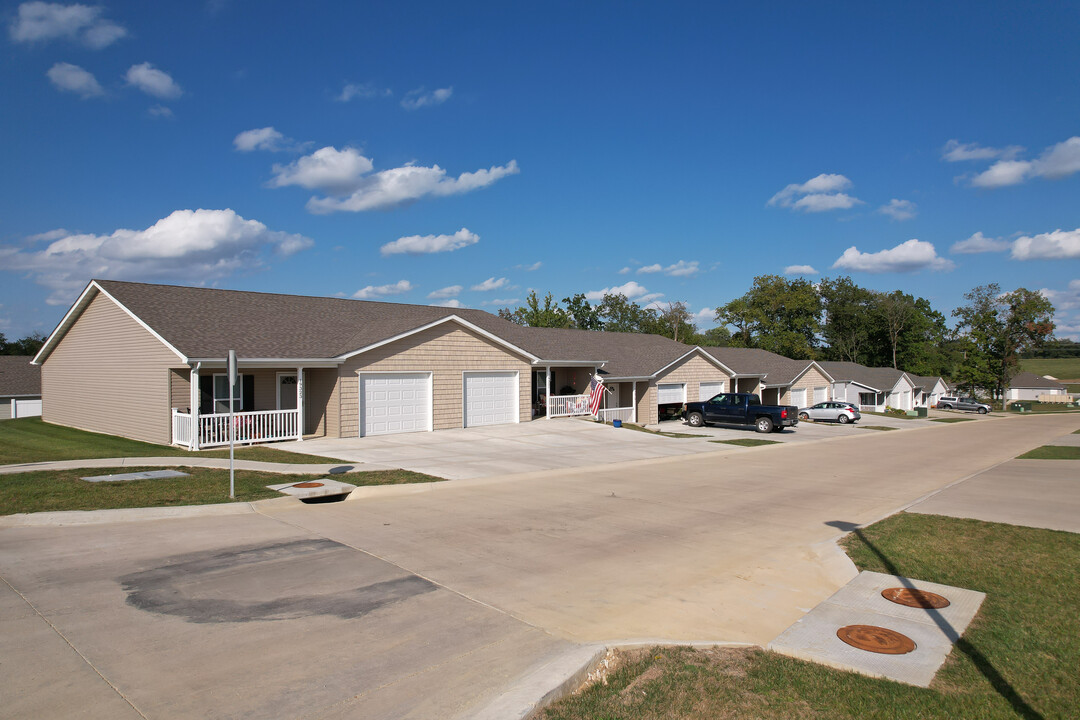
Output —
<point x="639" y="428"/>
<point x="1018" y="659"/>
<point x="64" y="490"/>
<point x="951" y="420"/>
<point x="748" y="442"/>
<point x="877" y="427"/>
<point x="31" y="440"/>
<point x="1052" y="452"/>
<point x="1061" y="368"/>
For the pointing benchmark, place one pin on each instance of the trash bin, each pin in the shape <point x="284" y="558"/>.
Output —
<point x="920" y="411"/>
<point x="616" y="423"/>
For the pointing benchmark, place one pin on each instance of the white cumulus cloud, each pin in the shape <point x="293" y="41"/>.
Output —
<point x="41" y="21"/>
<point x="800" y="270"/>
<point x="266" y="138"/>
<point x="979" y="243"/>
<point x="680" y="269"/>
<point x="1056" y="162"/>
<point x="530" y="268"/>
<point x="491" y="284"/>
<point x="1056" y="245"/>
<point x="705" y="315"/>
<point x="911" y="256"/>
<point x="899" y="209"/>
<point x="452" y="303"/>
<point x="152" y="81"/>
<point x="426" y="244"/>
<point x="818" y="194"/>
<point x="345" y="175"/>
<point x="73" y="78"/>
<point x="632" y="290"/>
<point x="377" y="291"/>
<point x="420" y="97"/>
<point x="956" y="151"/>
<point x="363" y="91"/>
<point x="187" y="246"/>
<point x="447" y="292"/>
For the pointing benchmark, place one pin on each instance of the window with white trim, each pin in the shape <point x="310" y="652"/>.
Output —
<point x="221" y="393"/>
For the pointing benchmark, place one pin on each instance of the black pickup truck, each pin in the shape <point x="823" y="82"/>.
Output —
<point x="741" y="409"/>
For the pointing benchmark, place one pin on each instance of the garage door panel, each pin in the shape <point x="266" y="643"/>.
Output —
<point x="671" y="393"/>
<point x="709" y="390"/>
<point x="490" y="398"/>
<point x="395" y="403"/>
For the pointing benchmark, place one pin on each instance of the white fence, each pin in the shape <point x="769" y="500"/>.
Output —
<point x="567" y="405"/>
<point x="625" y="414"/>
<point x="250" y="427"/>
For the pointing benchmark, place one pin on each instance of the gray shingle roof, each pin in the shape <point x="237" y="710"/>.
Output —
<point x="1031" y="380"/>
<point x="925" y="382"/>
<point x="206" y="323"/>
<point x="881" y="379"/>
<point x="778" y="370"/>
<point x="18" y="377"/>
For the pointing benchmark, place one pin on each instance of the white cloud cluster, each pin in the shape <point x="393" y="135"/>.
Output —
<point x="1056" y="245"/>
<point x="446" y="292"/>
<point x="911" y="256"/>
<point x="266" y="138"/>
<point x="420" y="97"/>
<point x="632" y="291"/>
<point x="979" y="243"/>
<point x="41" y="21"/>
<point x="363" y="91"/>
<point x="345" y="175"/>
<point x="152" y="81"/>
<point x="530" y="268"/>
<point x="1056" y="162"/>
<point x="818" y="194"/>
<point x="679" y="269"/>
<point x="372" y="292"/>
<point x="899" y="209"/>
<point x="956" y="151"/>
<point x="1066" y="304"/>
<point x="705" y="315"/>
<point x="427" y="244"/>
<point x="188" y="245"/>
<point x="72" y="78"/>
<point x="800" y="270"/>
<point x="452" y="303"/>
<point x="491" y="284"/>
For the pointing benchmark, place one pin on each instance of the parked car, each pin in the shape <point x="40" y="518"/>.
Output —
<point x="833" y="410"/>
<point x="963" y="403"/>
<point x="741" y="409"/>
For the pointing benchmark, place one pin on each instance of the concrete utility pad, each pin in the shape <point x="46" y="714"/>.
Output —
<point x="148" y="475"/>
<point x="323" y="487"/>
<point x="860" y="603"/>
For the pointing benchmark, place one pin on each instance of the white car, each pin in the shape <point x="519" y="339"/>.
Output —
<point x="833" y="410"/>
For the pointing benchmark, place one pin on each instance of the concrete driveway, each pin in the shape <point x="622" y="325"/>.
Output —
<point x="406" y="604"/>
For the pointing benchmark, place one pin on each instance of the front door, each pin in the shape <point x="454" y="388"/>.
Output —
<point x="286" y="391"/>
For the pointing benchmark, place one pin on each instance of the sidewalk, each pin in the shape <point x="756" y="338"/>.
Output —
<point x="203" y="462"/>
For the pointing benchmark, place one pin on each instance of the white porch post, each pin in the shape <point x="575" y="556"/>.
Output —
<point x="194" y="397"/>
<point x="633" y="396"/>
<point x="547" y="391"/>
<point x="300" y="404"/>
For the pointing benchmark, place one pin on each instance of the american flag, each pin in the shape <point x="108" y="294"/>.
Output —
<point x="596" y="392"/>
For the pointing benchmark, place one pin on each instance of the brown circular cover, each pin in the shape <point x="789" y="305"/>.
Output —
<point x="876" y="639"/>
<point x="915" y="598"/>
<point x="308" y="484"/>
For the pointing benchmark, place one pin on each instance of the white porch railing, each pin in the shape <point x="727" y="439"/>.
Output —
<point x="251" y="427"/>
<point x="625" y="414"/>
<point x="868" y="408"/>
<point x="567" y="405"/>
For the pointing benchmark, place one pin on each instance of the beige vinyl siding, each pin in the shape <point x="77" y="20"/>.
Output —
<point x="180" y="388"/>
<point x="319" y="385"/>
<point x="446" y="351"/>
<point x="811" y="379"/>
<point x="647" y="411"/>
<point x="110" y="375"/>
<point x="5" y="409"/>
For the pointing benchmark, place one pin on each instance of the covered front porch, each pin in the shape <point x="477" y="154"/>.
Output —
<point x="271" y="403"/>
<point x="562" y="391"/>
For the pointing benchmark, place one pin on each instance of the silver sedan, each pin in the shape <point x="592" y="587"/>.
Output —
<point x="840" y="412"/>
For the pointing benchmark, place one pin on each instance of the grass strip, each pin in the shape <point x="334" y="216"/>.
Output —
<point x="951" y="420"/>
<point x="1052" y="452"/>
<point x="1017" y="659"/>
<point x="877" y="427"/>
<point x="664" y="433"/>
<point x="748" y="442"/>
<point x="50" y="490"/>
<point x="28" y="440"/>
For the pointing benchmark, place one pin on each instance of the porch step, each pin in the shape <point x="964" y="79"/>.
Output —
<point x="309" y="489"/>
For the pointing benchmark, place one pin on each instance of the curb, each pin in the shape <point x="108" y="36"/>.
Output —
<point x="72" y="518"/>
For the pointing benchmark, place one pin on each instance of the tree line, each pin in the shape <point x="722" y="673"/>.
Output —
<point x="836" y="319"/>
<point x="28" y="345"/>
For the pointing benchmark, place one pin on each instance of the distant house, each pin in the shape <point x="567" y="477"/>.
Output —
<point x="928" y="390"/>
<point x="1029" y="386"/>
<point x="20" y="387"/>
<point x="783" y="381"/>
<point x="148" y="362"/>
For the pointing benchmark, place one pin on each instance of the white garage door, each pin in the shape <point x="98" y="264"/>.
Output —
<point x="26" y="408"/>
<point x="491" y="398"/>
<point x="821" y="394"/>
<point x="395" y="403"/>
<point x="671" y="393"/>
<point x="798" y="398"/>
<point x="708" y="390"/>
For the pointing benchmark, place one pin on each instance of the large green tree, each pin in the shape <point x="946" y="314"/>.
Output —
<point x="535" y="314"/>
<point x="995" y="329"/>
<point x="583" y="314"/>
<point x="850" y="319"/>
<point x="28" y="345"/>
<point x="776" y="314"/>
<point x="620" y="314"/>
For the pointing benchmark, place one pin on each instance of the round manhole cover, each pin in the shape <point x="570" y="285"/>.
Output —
<point x="876" y="639"/>
<point x="308" y="485"/>
<point x="915" y="598"/>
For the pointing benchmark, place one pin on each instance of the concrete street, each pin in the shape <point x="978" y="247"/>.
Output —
<point x="404" y="604"/>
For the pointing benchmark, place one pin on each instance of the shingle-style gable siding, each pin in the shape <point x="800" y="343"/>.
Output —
<point x="446" y="351"/>
<point x="811" y="379"/>
<point x="109" y="375"/>
<point x="693" y="371"/>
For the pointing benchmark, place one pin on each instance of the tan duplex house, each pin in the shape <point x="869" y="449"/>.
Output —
<point x="148" y="362"/>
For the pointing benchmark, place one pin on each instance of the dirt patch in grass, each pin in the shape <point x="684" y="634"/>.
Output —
<point x="877" y="427"/>
<point x="1052" y="452"/>
<point x="748" y="442"/>
<point x="46" y="491"/>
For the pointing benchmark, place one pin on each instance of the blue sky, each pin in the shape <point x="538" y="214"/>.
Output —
<point x="466" y="154"/>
